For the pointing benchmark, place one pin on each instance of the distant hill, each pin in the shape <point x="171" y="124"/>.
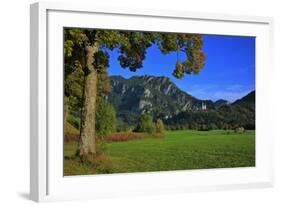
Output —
<point x="220" y="102"/>
<point x="247" y="101"/>
<point x="249" y="98"/>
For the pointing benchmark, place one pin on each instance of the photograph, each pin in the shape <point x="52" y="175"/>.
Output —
<point x="143" y="101"/>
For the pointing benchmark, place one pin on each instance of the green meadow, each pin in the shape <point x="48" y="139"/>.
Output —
<point x="178" y="150"/>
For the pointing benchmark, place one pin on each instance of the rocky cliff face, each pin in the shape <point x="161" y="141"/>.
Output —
<point x="157" y="96"/>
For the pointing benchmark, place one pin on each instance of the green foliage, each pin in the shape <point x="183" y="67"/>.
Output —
<point x="133" y="46"/>
<point x="129" y="118"/>
<point x="70" y="129"/>
<point x="239" y="130"/>
<point x="145" y="124"/>
<point x="122" y="126"/>
<point x="225" y="117"/>
<point x="73" y="86"/>
<point x="74" y="121"/>
<point x="204" y="127"/>
<point x="105" y="119"/>
<point x="159" y="125"/>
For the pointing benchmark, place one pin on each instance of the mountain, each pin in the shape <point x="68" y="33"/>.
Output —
<point x="226" y="115"/>
<point x="220" y="103"/>
<point x="248" y="100"/>
<point x="161" y="98"/>
<point x="157" y="96"/>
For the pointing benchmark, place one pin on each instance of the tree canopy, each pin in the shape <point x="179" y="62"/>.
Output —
<point x="132" y="47"/>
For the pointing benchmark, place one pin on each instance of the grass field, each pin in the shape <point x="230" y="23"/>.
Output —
<point x="179" y="150"/>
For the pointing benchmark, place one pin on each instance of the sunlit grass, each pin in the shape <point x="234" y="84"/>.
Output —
<point x="179" y="150"/>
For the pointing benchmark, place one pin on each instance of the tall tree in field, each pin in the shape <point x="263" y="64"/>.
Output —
<point x="87" y="48"/>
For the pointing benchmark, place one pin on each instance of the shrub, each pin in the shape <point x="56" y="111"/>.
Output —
<point x="124" y="136"/>
<point x="159" y="125"/>
<point x="122" y="126"/>
<point x="105" y="119"/>
<point x="239" y="130"/>
<point x="145" y="124"/>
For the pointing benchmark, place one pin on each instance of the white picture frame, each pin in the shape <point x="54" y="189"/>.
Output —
<point x="46" y="134"/>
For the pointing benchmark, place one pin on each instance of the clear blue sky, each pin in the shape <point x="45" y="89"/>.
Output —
<point x="229" y="71"/>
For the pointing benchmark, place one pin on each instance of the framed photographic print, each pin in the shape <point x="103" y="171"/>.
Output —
<point x="127" y="102"/>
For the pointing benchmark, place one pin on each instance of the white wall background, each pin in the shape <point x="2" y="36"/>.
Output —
<point x="14" y="101"/>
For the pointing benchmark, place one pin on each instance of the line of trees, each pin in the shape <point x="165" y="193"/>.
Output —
<point x="227" y="117"/>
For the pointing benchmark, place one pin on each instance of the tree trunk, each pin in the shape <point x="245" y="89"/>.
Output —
<point x="86" y="148"/>
<point x="65" y="113"/>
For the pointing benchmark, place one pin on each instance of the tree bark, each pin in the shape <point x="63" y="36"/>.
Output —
<point x="86" y="147"/>
<point x="65" y="113"/>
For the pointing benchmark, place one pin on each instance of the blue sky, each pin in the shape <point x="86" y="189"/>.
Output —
<point x="229" y="71"/>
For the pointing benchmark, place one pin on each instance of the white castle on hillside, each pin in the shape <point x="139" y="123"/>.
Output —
<point x="204" y="106"/>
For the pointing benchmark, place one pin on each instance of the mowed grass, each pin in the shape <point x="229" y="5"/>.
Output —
<point x="179" y="150"/>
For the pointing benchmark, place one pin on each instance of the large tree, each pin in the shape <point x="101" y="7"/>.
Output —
<point x="87" y="49"/>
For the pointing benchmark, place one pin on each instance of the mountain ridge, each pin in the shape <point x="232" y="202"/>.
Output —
<point x="165" y="78"/>
<point x="155" y="95"/>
